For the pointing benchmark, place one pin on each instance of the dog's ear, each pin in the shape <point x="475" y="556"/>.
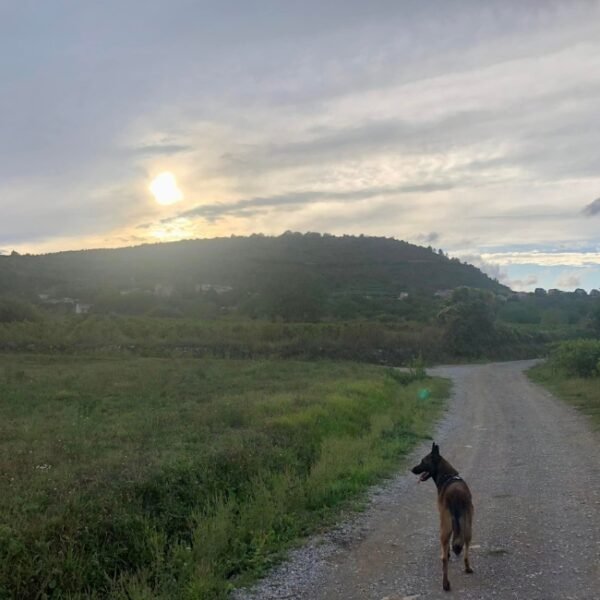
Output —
<point x="435" y="449"/>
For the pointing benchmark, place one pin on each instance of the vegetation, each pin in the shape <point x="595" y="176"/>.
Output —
<point x="294" y="277"/>
<point x="13" y="310"/>
<point x="154" y="443"/>
<point x="180" y="478"/>
<point x="595" y="320"/>
<point x="558" y="311"/>
<point x="303" y="296"/>
<point x="578" y="358"/>
<point x="573" y="372"/>
<point x="469" y="323"/>
<point x="391" y="343"/>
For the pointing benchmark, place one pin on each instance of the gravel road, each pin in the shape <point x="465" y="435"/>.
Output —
<point x="533" y="466"/>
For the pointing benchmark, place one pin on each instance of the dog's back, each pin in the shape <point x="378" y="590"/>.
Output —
<point x="455" y="501"/>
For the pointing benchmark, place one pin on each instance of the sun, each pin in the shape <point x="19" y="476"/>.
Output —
<point x="165" y="190"/>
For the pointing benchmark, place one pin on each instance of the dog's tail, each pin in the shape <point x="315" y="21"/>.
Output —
<point x="460" y="530"/>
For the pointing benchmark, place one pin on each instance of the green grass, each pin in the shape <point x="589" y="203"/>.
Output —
<point x="140" y="478"/>
<point x="581" y="392"/>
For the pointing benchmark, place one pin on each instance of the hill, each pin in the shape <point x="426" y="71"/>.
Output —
<point x="305" y="296"/>
<point x="338" y="265"/>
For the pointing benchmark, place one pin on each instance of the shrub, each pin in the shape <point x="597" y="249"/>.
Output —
<point x="416" y="372"/>
<point x="578" y="357"/>
<point x="595" y="320"/>
<point x="13" y="310"/>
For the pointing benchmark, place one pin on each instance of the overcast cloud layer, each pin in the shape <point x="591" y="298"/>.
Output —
<point x="469" y="126"/>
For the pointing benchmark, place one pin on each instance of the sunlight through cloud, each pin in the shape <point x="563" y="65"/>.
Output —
<point x="165" y="190"/>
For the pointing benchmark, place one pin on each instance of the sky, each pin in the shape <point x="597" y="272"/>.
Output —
<point x="468" y="126"/>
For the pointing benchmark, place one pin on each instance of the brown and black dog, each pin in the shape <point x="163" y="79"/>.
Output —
<point x="455" y="506"/>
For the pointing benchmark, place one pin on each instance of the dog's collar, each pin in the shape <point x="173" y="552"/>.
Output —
<point x="449" y="478"/>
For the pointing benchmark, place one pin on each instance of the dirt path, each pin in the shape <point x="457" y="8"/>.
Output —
<point x="533" y="466"/>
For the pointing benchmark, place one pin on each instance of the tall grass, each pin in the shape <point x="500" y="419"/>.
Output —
<point x="181" y="478"/>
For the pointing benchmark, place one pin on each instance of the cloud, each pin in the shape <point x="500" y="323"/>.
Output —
<point x="370" y="136"/>
<point x="569" y="281"/>
<point x="516" y="134"/>
<point x="105" y="210"/>
<point x="161" y="149"/>
<point x="528" y="213"/>
<point x="428" y="238"/>
<point x="522" y="284"/>
<point x="388" y="119"/>
<point x="491" y="269"/>
<point x="250" y="206"/>
<point x="592" y="209"/>
<point x="573" y="259"/>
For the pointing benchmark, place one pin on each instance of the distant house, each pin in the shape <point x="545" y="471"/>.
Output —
<point x="68" y="304"/>
<point x="580" y="292"/>
<point x="402" y="295"/>
<point x="82" y="308"/>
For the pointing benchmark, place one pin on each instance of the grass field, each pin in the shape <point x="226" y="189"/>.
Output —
<point x="581" y="392"/>
<point x="137" y="478"/>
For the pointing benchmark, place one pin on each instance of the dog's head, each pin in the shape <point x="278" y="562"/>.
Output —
<point x="428" y="466"/>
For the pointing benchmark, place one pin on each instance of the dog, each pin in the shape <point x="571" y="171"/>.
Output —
<point x="455" y="505"/>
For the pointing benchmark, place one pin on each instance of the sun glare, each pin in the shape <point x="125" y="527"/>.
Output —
<point x="164" y="189"/>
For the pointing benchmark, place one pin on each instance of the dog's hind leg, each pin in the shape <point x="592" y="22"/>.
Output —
<point x="467" y="538"/>
<point x="445" y="534"/>
<point x="468" y="568"/>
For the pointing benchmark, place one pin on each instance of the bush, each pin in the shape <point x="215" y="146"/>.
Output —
<point x="595" y="320"/>
<point x="13" y="310"/>
<point x="578" y="357"/>
<point x="416" y="372"/>
<point x="469" y="323"/>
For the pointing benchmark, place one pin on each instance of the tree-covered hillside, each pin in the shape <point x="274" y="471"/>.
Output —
<point x="336" y="265"/>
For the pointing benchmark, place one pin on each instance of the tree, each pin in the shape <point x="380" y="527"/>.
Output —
<point x="294" y="295"/>
<point x="469" y="322"/>
<point x="595" y="319"/>
<point x="12" y="310"/>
